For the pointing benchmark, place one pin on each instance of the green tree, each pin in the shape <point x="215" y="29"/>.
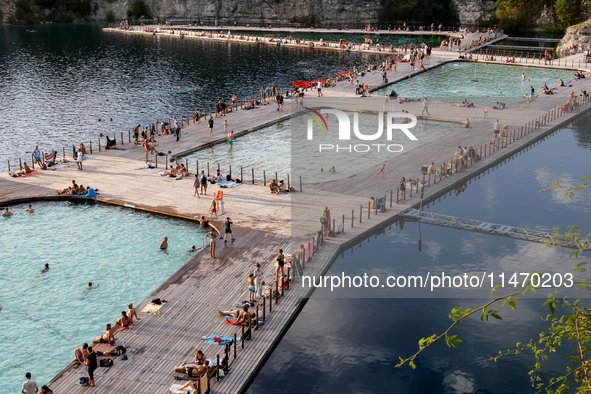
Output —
<point x="572" y="326"/>
<point x="138" y="9"/>
<point x="110" y="16"/>
<point x="422" y="12"/>
<point x="567" y="12"/>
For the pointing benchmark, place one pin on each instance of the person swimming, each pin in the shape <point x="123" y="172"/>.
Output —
<point x="45" y="268"/>
<point x="91" y="286"/>
<point x="193" y="249"/>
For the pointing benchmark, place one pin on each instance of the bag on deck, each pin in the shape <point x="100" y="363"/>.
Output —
<point x="106" y="362"/>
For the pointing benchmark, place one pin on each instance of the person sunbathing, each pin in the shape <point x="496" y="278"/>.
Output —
<point x="124" y="321"/>
<point x="172" y="173"/>
<point x="183" y="170"/>
<point x="149" y="147"/>
<point x="26" y="169"/>
<point x="240" y="316"/>
<point x="193" y="370"/>
<point x="65" y="191"/>
<point x="107" y="337"/>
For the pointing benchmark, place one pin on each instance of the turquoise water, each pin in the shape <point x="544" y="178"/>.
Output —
<point x="51" y="313"/>
<point x="478" y="82"/>
<point x="283" y="148"/>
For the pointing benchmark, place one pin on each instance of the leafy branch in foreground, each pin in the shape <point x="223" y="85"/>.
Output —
<point x="574" y="324"/>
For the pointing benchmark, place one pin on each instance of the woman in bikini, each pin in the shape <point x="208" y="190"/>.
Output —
<point x="402" y="187"/>
<point x="211" y="235"/>
<point x="280" y="259"/>
<point x="200" y="358"/>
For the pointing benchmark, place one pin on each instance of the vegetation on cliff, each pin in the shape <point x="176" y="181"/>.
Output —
<point x="37" y="11"/>
<point x="517" y="14"/>
<point x="419" y="12"/>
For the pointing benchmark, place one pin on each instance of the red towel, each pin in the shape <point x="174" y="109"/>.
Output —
<point x="33" y="173"/>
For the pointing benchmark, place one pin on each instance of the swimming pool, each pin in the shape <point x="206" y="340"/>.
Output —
<point x="478" y="82"/>
<point x="46" y="316"/>
<point x="283" y="148"/>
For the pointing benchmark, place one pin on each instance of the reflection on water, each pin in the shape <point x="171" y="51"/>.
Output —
<point x="352" y="344"/>
<point x="56" y="83"/>
<point x="284" y="148"/>
<point x="477" y="81"/>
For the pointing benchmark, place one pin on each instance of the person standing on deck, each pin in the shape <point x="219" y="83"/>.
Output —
<point x="196" y="185"/>
<point x="79" y="159"/>
<point x="29" y="386"/>
<point x="496" y="129"/>
<point x="37" y="155"/>
<point x="203" y="183"/>
<point x="425" y="106"/>
<point x="319" y="88"/>
<point x="228" y="230"/>
<point x="210" y="126"/>
<point x="258" y="280"/>
<point x="211" y="236"/>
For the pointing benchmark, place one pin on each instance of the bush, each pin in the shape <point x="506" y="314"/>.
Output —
<point x="421" y="12"/>
<point x="24" y="14"/>
<point x="567" y="12"/>
<point x="138" y="9"/>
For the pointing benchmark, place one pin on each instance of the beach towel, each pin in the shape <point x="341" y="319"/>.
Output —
<point x="49" y="156"/>
<point x="223" y="340"/>
<point x="233" y="323"/>
<point x="174" y="389"/>
<point x="33" y="173"/>
<point x="151" y="308"/>
<point x="86" y="158"/>
<point x="103" y="348"/>
<point x="229" y="185"/>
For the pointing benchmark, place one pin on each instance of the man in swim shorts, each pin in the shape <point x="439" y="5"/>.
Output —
<point x="193" y="370"/>
<point x="231" y="139"/>
<point x="107" y="337"/>
<point x="164" y="243"/>
<point x="37" y="155"/>
<point x="131" y="313"/>
<point x="6" y="212"/>
<point x="228" y="230"/>
<point x="496" y="129"/>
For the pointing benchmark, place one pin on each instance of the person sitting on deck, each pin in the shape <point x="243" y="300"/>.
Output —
<point x="110" y="143"/>
<point x="183" y="171"/>
<point x="200" y="358"/>
<point x="149" y="147"/>
<point x="172" y="173"/>
<point x="273" y="187"/>
<point x="124" y="321"/>
<point x="192" y="370"/>
<point x="467" y="125"/>
<point x="107" y="337"/>
<point x="282" y="187"/>
<point x="26" y="169"/>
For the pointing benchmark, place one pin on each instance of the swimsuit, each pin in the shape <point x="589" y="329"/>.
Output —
<point x="280" y="261"/>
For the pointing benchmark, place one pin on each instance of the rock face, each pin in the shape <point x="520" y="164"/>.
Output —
<point x="324" y="12"/>
<point x="578" y="35"/>
<point x="471" y="11"/>
<point x="336" y="12"/>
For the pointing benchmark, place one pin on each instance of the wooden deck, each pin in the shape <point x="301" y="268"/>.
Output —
<point x="194" y="293"/>
<point x="264" y="223"/>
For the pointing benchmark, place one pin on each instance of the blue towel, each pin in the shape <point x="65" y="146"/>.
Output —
<point x="223" y="338"/>
<point x="222" y="182"/>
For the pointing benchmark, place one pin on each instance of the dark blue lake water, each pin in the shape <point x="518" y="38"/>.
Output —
<point x="353" y="344"/>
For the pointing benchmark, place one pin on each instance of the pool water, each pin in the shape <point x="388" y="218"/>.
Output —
<point x="44" y="317"/>
<point x="353" y="343"/>
<point x="480" y="83"/>
<point x="284" y="148"/>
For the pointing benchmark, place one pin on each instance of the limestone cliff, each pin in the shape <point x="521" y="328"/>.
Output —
<point x="335" y="12"/>
<point x="578" y="35"/>
<point x="471" y="11"/>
